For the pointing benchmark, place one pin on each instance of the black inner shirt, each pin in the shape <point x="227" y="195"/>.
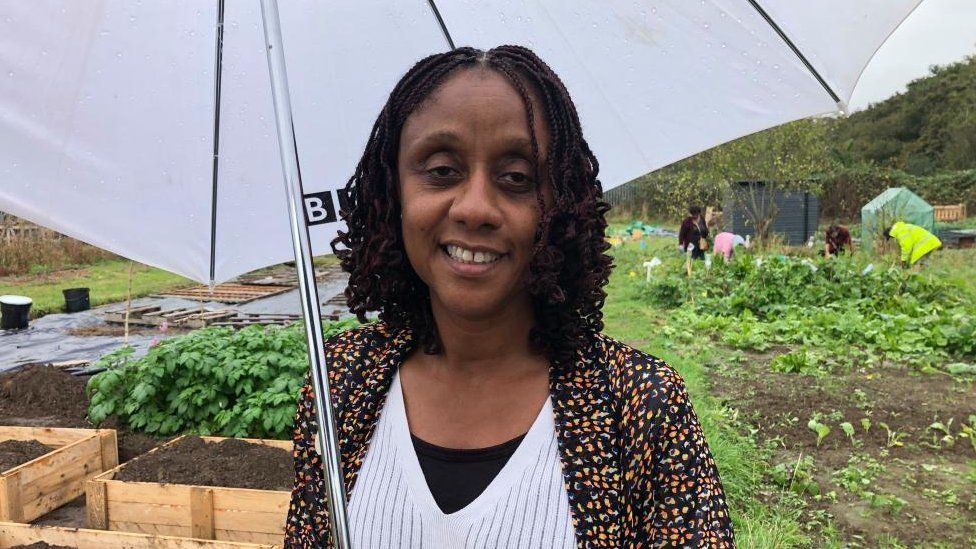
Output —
<point x="457" y="477"/>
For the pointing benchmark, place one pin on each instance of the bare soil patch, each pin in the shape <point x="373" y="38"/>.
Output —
<point x="17" y="452"/>
<point x="117" y="330"/>
<point x="44" y="396"/>
<point x="230" y="463"/>
<point x="935" y="480"/>
<point x="70" y="515"/>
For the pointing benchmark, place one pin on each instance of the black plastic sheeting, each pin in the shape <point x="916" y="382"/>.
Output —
<point x="47" y="339"/>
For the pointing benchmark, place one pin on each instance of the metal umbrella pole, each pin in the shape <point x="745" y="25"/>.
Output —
<point x="328" y="439"/>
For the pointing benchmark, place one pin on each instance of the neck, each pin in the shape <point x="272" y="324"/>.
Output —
<point x="485" y="345"/>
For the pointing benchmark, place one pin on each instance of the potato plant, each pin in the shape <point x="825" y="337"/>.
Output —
<point x="210" y="381"/>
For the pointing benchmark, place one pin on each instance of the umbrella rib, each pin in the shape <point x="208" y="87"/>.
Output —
<point x="796" y="50"/>
<point x="440" y="21"/>
<point x="218" y="73"/>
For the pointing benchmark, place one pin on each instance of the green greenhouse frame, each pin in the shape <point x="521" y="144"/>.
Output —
<point x="894" y="204"/>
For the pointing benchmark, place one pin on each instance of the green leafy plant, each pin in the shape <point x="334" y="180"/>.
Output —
<point x="819" y="428"/>
<point x="849" y="431"/>
<point x="796" y="477"/>
<point x="968" y="430"/>
<point x="942" y="434"/>
<point x="894" y="436"/>
<point x="889" y="502"/>
<point x="890" y="315"/>
<point x="210" y="381"/>
<point x="866" y="424"/>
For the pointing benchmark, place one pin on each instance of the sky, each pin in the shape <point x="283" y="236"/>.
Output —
<point x="937" y="33"/>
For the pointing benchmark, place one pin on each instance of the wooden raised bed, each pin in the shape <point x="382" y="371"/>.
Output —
<point x="206" y="512"/>
<point x="12" y="534"/>
<point x="41" y="485"/>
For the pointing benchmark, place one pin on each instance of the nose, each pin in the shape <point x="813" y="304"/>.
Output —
<point x="476" y="204"/>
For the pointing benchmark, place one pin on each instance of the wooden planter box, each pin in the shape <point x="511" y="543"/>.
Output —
<point x="206" y="512"/>
<point x="34" y="488"/>
<point x="13" y="534"/>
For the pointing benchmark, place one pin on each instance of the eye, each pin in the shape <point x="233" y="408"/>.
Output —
<point x="520" y="181"/>
<point x="442" y="172"/>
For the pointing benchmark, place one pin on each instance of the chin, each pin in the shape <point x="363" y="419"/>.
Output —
<point x="472" y="305"/>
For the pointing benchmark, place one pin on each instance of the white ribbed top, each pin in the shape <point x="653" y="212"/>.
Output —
<point x="525" y="506"/>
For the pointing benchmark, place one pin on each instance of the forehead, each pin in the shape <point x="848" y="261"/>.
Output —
<point x="479" y="100"/>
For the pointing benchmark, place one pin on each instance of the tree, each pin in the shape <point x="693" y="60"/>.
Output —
<point x="793" y="156"/>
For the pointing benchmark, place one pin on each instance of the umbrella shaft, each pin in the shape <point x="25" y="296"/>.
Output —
<point x="328" y="441"/>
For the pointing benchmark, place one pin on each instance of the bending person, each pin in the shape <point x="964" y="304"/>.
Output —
<point x="915" y="242"/>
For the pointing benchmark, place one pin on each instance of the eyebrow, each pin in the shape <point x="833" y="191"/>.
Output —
<point x="439" y="138"/>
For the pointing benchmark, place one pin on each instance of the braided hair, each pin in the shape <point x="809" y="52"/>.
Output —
<point x="569" y="266"/>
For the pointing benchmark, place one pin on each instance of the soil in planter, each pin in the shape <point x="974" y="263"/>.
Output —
<point x="44" y="396"/>
<point x="40" y="545"/>
<point x="16" y="452"/>
<point x="43" y="392"/>
<point x="229" y="463"/>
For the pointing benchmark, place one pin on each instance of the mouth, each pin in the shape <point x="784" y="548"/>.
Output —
<point x="472" y="256"/>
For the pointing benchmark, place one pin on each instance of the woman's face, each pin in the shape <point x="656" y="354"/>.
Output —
<point x="468" y="193"/>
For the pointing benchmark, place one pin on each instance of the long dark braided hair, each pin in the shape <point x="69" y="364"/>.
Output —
<point x="569" y="266"/>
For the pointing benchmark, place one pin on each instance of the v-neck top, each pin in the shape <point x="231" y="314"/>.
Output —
<point x="455" y="476"/>
<point x="524" y="506"/>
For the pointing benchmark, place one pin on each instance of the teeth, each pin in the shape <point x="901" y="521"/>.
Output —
<point x="469" y="256"/>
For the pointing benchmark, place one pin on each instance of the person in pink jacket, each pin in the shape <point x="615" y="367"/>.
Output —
<point x="726" y="242"/>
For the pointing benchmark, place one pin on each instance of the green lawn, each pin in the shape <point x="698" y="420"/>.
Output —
<point x="108" y="281"/>
<point x="741" y="462"/>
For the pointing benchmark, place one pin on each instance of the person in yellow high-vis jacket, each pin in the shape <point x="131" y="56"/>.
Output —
<point x="914" y="241"/>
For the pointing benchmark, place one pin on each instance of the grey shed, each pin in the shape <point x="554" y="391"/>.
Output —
<point x="797" y="212"/>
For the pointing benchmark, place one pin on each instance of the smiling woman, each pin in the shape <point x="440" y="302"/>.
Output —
<point x="485" y="408"/>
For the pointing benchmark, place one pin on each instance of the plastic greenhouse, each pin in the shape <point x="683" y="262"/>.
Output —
<point x="895" y="204"/>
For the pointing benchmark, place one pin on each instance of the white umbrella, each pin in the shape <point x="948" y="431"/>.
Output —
<point x="148" y="127"/>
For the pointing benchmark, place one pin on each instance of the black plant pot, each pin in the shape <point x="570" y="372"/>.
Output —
<point x="76" y="300"/>
<point x="14" y="312"/>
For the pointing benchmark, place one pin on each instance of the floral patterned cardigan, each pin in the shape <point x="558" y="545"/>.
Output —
<point x="636" y="466"/>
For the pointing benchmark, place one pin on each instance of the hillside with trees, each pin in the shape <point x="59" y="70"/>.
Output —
<point x="923" y="139"/>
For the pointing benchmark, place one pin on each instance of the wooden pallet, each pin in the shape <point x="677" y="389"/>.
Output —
<point x="338" y="300"/>
<point x="191" y="318"/>
<point x="13" y="534"/>
<point x="228" y="514"/>
<point x="285" y="276"/>
<point x="184" y="317"/>
<point x="242" y="320"/>
<point x="229" y="292"/>
<point x="950" y="212"/>
<point x="41" y="485"/>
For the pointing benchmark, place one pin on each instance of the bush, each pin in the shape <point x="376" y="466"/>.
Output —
<point x="210" y="381"/>
<point x="844" y="192"/>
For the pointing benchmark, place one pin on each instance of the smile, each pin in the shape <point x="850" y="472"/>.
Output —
<point x="465" y="255"/>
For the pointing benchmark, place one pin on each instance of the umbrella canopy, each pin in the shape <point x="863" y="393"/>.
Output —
<point x="124" y="125"/>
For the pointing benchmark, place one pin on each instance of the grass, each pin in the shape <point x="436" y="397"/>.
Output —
<point x="759" y="523"/>
<point x="108" y="281"/>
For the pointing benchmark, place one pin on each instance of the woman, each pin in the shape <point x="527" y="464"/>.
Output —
<point x="837" y="240"/>
<point x="725" y="243"/>
<point x="694" y="232"/>
<point x="485" y="409"/>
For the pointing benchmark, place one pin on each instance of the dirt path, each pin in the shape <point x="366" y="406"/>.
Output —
<point x="896" y="478"/>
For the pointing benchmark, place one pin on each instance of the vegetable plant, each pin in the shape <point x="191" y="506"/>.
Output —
<point x="211" y="381"/>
